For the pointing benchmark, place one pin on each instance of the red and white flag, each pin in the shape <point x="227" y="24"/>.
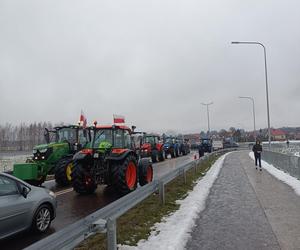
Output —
<point x="119" y="119"/>
<point x="83" y="119"/>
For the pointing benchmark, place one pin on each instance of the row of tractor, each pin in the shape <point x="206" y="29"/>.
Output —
<point x="84" y="157"/>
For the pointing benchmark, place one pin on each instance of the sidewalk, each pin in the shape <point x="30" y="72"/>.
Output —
<point x="247" y="209"/>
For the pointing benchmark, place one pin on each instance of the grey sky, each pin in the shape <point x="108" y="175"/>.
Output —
<point x="152" y="61"/>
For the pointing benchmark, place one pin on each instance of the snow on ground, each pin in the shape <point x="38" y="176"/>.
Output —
<point x="174" y="230"/>
<point x="280" y="175"/>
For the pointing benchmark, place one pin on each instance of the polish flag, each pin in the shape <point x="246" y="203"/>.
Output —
<point x="82" y="119"/>
<point x="119" y="119"/>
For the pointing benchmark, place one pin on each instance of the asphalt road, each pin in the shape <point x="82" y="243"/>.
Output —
<point x="72" y="206"/>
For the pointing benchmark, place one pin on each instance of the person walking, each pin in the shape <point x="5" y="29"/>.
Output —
<point x="257" y="149"/>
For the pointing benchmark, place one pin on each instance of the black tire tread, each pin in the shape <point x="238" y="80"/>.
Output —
<point x="60" y="171"/>
<point x="118" y="175"/>
<point x="78" y="182"/>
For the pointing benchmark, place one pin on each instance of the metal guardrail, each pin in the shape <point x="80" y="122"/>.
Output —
<point x="287" y="163"/>
<point x="104" y="219"/>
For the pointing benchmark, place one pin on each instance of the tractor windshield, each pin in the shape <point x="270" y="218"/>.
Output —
<point x="66" y="134"/>
<point x="150" y="139"/>
<point x="102" y="135"/>
<point x="169" y="140"/>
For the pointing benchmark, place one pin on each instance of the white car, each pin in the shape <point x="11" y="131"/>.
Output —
<point x="216" y="145"/>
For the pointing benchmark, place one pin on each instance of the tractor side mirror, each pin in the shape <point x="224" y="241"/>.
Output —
<point x="47" y="136"/>
<point x="133" y="128"/>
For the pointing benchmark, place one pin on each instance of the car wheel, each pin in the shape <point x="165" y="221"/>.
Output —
<point x="42" y="219"/>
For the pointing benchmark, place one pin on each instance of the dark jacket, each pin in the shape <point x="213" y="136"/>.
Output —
<point x="257" y="149"/>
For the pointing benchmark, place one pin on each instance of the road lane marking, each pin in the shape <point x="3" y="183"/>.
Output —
<point x="64" y="191"/>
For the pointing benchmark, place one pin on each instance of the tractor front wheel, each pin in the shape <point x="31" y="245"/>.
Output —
<point x="145" y="172"/>
<point x="161" y="155"/>
<point x="63" y="172"/>
<point x="177" y="152"/>
<point x="124" y="175"/>
<point x="154" y="156"/>
<point x="81" y="181"/>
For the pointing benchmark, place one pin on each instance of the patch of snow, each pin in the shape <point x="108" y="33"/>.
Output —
<point x="280" y="175"/>
<point x="7" y="162"/>
<point x="174" y="230"/>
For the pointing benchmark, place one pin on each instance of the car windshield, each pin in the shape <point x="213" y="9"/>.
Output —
<point x="66" y="134"/>
<point x="103" y="135"/>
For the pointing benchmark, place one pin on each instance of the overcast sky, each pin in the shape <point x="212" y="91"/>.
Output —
<point x="154" y="62"/>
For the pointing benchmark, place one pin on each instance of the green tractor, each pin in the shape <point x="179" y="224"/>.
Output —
<point x="54" y="157"/>
<point x="111" y="160"/>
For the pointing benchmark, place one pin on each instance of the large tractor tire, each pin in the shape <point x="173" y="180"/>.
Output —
<point x="145" y="172"/>
<point x="161" y="155"/>
<point x="154" y="156"/>
<point x="63" y="171"/>
<point x="124" y="175"/>
<point x="81" y="181"/>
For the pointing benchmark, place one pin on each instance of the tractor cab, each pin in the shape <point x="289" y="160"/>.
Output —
<point x="76" y="136"/>
<point x="113" y="139"/>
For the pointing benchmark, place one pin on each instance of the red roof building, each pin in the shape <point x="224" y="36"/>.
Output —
<point x="278" y="135"/>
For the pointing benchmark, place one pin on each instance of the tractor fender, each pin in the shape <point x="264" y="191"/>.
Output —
<point x="122" y="156"/>
<point x="79" y="156"/>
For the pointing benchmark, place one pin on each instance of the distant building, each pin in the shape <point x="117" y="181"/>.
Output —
<point x="278" y="135"/>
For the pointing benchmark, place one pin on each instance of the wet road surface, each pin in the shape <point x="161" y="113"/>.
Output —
<point x="72" y="206"/>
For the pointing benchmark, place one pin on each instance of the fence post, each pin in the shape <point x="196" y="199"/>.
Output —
<point x="161" y="190"/>
<point x="111" y="234"/>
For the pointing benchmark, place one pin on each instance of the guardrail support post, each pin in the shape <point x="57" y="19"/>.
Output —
<point x="161" y="190"/>
<point x="184" y="176"/>
<point x="111" y="234"/>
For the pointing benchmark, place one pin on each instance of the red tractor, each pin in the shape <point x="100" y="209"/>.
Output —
<point x="111" y="159"/>
<point x="150" y="146"/>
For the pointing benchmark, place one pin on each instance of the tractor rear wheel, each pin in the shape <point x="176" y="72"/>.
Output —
<point x="81" y="181"/>
<point x="124" y="175"/>
<point x="145" y="172"/>
<point x="63" y="171"/>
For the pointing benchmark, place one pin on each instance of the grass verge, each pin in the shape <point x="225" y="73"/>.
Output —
<point x="137" y="223"/>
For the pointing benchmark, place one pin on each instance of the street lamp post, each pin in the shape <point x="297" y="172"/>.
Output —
<point x="267" y="88"/>
<point x="253" y="110"/>
<point x="207" y="104"/>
